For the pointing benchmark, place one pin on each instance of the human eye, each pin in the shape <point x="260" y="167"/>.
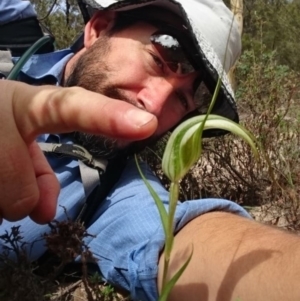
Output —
<point x="183" y="101"/>
<point x="159" y="63"/>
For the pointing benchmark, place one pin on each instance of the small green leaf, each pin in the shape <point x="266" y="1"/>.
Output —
<point x="160" y="206"/>
<point x="231" y="126"/>
<point x="167" y="289"/>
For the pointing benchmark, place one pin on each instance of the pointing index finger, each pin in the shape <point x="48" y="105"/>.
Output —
<point x="50" y="109"/>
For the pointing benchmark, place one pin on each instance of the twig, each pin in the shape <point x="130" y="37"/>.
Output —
<point x="65" y="290"/>
<point x="49" y="12"/>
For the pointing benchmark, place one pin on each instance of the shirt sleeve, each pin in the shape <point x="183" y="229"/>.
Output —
<point x="12" y="10"/>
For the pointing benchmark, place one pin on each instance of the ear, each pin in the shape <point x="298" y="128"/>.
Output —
<point x="97" y="26"/>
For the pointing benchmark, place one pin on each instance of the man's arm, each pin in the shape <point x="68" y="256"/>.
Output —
<point x="27" y="183"/>
<point x="235" y="259"/>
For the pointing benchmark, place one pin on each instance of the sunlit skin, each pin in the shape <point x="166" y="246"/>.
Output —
<point x="140" y="73"/>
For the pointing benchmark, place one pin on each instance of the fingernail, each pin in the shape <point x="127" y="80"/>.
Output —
<point x="138" y="117"/>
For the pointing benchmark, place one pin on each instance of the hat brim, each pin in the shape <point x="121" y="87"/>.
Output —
<point x="205" y="56"/>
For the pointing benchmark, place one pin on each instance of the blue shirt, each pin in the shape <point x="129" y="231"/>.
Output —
<point x="42" y="68"/>
<point x="13" y="10"/>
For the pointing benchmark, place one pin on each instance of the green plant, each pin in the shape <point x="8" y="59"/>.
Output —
<point x="268" y="97"/>
<point x="182" y="151"/>
<point x="107" y="292"/>
<point x="95" y="279"/>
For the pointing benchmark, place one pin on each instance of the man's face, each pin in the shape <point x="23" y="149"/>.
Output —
<point x="127" y="66"/>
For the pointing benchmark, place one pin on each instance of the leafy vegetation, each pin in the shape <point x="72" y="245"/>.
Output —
<point x="61" y="18"/>
<point x="275" y="26"/>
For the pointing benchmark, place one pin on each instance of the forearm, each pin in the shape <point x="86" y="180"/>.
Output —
<point x="236" y="259"/>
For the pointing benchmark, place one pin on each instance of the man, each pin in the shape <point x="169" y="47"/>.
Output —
<point x="127" y="56"/>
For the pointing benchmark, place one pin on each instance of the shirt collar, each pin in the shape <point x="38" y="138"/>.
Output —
<point x="42" y="66"/>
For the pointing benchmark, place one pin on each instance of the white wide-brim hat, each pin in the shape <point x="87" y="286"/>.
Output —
<point x="213" y="31"/>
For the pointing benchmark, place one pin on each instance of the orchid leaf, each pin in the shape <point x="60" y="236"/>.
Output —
<point x="170" y="284"/>
<point x="160" y="206"/>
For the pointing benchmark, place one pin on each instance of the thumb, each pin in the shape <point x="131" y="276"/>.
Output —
<point x="55" y="110"/>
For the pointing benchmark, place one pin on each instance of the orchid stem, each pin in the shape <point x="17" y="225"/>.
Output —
<point x="173" y="198"/>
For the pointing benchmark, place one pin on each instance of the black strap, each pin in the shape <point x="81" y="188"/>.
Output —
<point x="108" y="180"/>
<point x="18" y="36"/>
<point x="76" y="151"/>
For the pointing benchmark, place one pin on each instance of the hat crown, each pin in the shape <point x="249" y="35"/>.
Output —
<point x="210" y="19"/>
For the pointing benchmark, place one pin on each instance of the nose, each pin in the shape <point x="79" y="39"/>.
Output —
<point x="154" y="95"/>
<point x="158" y="91"/>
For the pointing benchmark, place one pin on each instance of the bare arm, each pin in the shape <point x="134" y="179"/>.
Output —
<point x="28" y="186"/>
<point x="235" y="259"/>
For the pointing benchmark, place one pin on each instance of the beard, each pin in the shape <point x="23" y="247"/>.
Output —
<point x="91" y="72"/>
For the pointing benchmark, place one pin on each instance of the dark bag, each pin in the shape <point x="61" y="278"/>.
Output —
<point x="18" y="36"/>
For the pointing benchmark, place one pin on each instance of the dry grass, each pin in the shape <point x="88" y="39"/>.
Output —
<point x="56" y="277"/>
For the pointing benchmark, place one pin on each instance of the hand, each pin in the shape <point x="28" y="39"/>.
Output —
<point x="28" y="185"/>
